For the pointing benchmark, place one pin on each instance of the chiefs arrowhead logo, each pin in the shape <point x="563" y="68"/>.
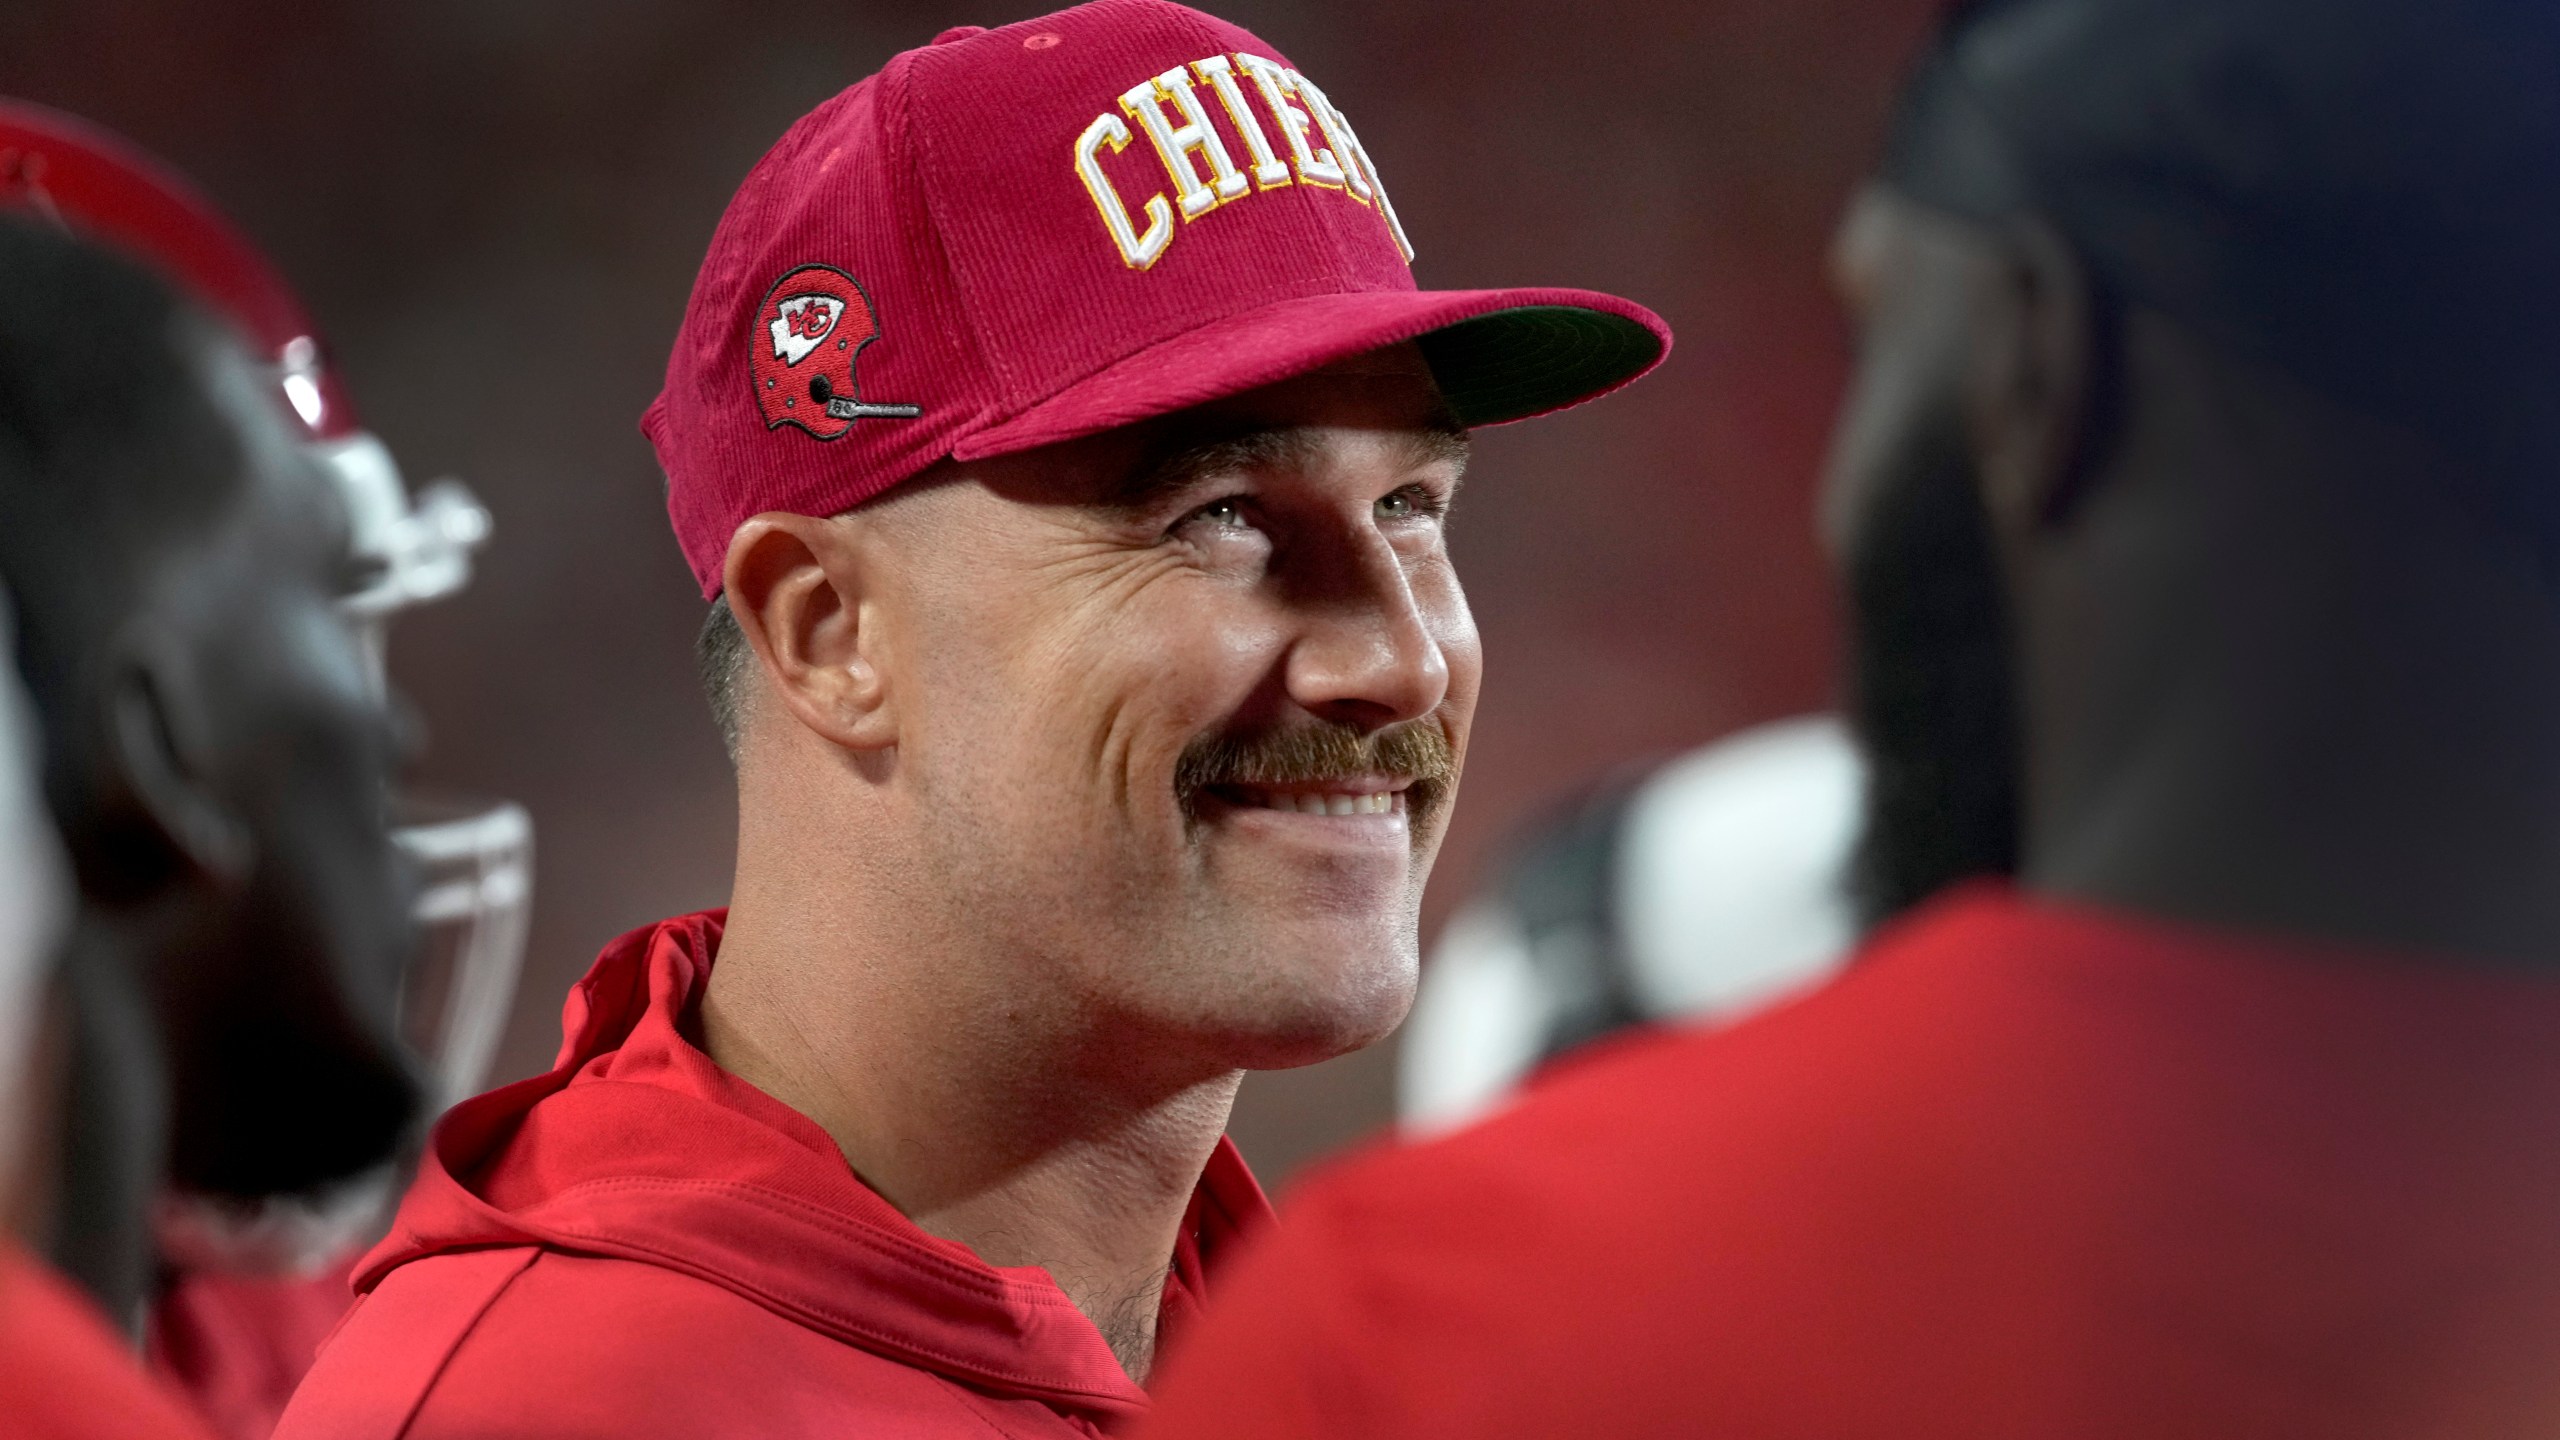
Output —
<point x="805" y="320"/>
<point x="812" y="325"/>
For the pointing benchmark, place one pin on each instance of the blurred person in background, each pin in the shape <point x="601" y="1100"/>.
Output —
<point x="238" y="1310"/>
<point x="1064" y="446"/>
<point x="1708" y="889"/>
<point x="217" y="760"/>
<point x="2218" y="341"/>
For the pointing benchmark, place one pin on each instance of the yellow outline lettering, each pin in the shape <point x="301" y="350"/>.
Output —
<point x="1144" y="102"/>
<point x="1139" y="251"/>
<point x="1269" y="170"/>
<point x="1355" y="158"/>
<point x="1315" y="167"/>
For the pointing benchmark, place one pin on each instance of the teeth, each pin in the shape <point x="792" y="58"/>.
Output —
<point x="1304" y="803"/>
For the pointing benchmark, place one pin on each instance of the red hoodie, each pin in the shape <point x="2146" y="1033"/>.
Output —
<point x="640" y="1243"/>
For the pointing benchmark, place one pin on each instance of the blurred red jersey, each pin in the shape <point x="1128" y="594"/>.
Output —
<point x="237" y="1345"/>
<point x="640" y="1243"/>
<point x="65" y="1374"/>
<point x="2025" y="1170"/>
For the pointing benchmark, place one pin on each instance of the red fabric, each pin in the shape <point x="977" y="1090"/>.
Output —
<point x="2023" y="1171"/>
<point x="236" y="1346"/>
<point x="641" y="1244"/>
<point x="65" y="1374"/>
<point x="948" y="188"/>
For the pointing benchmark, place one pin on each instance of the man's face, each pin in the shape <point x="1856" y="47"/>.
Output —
<point x="1933" y="697"/>
<point x="280" y="1007"/>
<point x="1182" y="707"/>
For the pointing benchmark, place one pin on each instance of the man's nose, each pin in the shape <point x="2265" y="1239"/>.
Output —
<point x="1368" y="655"/>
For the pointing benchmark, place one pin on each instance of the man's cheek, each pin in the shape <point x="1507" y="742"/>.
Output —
<point x="1101" y="734"/>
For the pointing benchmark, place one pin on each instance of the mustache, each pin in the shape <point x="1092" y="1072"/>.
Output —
<point x="1417" y="751"/>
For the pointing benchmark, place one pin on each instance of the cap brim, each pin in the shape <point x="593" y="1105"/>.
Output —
<point x="1498" y="355"/>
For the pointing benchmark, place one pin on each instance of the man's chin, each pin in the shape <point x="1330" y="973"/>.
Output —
<point x="1320" y="998"/>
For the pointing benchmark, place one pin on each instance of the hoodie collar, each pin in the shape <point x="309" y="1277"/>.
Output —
<point x="636" y="1145"/>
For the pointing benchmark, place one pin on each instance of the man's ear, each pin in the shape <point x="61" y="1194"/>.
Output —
<point x="159" y="747"/>
<point x="2033" y="364"/>
<point x="800" y="589"/>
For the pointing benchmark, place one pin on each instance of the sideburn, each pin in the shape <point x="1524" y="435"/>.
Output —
<point x="1932" y="684"/>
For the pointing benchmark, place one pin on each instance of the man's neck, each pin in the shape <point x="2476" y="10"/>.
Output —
<point x="109" y="1127"/>
<point x="958" y="1105"/>
<point x="2281" y="682"/>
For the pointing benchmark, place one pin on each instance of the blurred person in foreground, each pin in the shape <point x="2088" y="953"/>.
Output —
<point x="217" y="762"/>
<point x="1699" y="893"/>
<point x="238" y="1310"/>
<point x="1097" y="680"/>
<point x="2208" y="352"/>
<point x="47" y="1330"/>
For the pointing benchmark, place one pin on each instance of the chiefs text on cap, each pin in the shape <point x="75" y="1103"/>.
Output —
<point x="1068" y="224"/>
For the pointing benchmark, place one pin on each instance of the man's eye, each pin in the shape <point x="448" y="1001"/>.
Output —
<point x="1226" y="514"/>
<point x="1409" y="503"/>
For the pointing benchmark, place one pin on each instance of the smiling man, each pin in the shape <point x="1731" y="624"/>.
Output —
<point x="1066" y="452"/>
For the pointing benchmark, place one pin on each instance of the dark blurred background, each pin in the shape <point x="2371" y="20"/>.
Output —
<point x="495" y="208"/>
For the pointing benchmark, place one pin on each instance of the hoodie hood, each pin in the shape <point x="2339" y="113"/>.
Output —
<point x="636" y="1146"/>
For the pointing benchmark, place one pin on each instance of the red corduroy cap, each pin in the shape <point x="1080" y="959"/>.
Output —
<point x="1019" y="236"/>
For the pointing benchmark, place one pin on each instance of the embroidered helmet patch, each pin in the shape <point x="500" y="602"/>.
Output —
<point x="811" y="327"/>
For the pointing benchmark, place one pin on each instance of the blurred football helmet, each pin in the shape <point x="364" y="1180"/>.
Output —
<point x="1701" y="892"/>
<point x="475" y="859"/>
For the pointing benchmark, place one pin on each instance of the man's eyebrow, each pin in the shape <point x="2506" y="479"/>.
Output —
<point x="1445" y="443"/>
<point x="1442" y="442"/>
